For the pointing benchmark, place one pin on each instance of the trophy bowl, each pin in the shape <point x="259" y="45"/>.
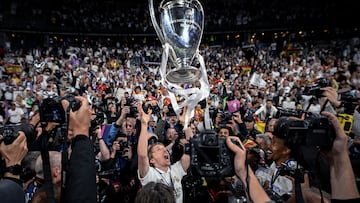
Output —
<point x="181" y="26"/>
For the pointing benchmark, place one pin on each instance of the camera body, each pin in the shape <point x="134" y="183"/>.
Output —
<point x="98" y="120"/>
<point x="155" y="108"/>
<point x="75" y="104"/>
<point x="315" y="89"/>
<point x="225" y="117"/>
<point x="210" y="155"/>
<point x="288" y="112"/>
<point x="314" y="130"/>
<point x="123" y="146"/>
<point x="51" y="109"/>
<point x="9" y="134"/>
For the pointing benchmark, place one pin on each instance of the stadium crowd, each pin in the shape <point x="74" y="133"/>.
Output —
<point x="249" y="89"/>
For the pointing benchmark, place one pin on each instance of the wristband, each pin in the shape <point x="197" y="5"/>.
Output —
<point x="16" y="169"/>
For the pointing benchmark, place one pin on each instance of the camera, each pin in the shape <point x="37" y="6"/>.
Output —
<point x="155" y="108"/>
<point x="9" y="134"/>
<point x="98" y="120"/>
<point x="123" y="146"/>
<point x="315" y="89"/>
<point x="225" y="117"/>
<point x="133" y="112"/>
<point x="51" y="109"/>
<point x="210" y="155"/>
<point x="75" y="104"/>
<point x="288" y="112"/>
<point x="315" y="130"/>
<point x="133" y="109"/>
<point x="297" y="173"/>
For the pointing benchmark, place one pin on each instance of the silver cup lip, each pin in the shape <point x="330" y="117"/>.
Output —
<point x="170" y="4"/>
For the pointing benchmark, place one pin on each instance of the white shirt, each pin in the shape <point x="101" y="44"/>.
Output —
<point x="15" y="115"/>
<point x="171" y="178"/>
<point x="281" y="184"/>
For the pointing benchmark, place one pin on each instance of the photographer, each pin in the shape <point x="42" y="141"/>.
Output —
<point x="122" y="185"/>
<point x="255" y="191"/>
<point x="80" y="173"/>
<point x="282" y="152"/>
<point x="117" y="125"/>
<point x="341" y="172"/>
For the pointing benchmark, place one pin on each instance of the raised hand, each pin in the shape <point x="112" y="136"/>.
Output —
<point x="144" y="117"/>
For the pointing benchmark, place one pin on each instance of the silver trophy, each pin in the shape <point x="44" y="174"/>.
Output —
<point x="181" y="26"/>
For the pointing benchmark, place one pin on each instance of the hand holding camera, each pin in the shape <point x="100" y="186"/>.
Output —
<point x="235" y="145"/>
<point x="124" y="111"/>
<point x="14" y="152"/>
<point x="144" y="116"/>
<point x="80" y="119"/>
<point x="339" y="146"/>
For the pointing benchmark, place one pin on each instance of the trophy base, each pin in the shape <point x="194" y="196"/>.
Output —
<point x="184" y="76"/>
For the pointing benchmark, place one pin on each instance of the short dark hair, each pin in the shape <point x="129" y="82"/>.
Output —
<point x="155" y="193"/>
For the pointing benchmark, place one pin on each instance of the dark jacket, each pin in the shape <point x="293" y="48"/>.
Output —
<point x="81" y="182"/>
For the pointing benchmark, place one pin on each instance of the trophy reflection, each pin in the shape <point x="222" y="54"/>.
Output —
<point x="181" y="29"/>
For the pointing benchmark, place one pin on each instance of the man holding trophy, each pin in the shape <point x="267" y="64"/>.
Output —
<point x="180" y="33"/>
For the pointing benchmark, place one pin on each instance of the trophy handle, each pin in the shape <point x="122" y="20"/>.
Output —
<point x="154" y="22"/>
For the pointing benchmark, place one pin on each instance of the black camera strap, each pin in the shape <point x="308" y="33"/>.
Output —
<point x="64" y="155"/>
<point x="298" y="193"/>
<point x="48" y="185"/>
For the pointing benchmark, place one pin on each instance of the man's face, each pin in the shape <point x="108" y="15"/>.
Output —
<point x="249" y="125"/>
<point x="172" y="119"/>
<point x="271" y="125"/>
<point x="268" y="104"/>
<point x="171" y="134"/>
<point x="160" y="156"/>
<point x="129" y="126"/>
<point x="278" y="149"/>
<point x="224" y="132"/>
<point x="262" y="143"/>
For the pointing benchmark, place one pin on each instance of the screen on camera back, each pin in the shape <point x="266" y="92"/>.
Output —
<point x="212" y="154"/>
<point x="52" y="114"/>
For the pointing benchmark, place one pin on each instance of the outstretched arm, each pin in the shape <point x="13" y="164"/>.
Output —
<point x="143" y="159"/>
<point x="244" y="172"/>
<point x="341" y="172"/>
